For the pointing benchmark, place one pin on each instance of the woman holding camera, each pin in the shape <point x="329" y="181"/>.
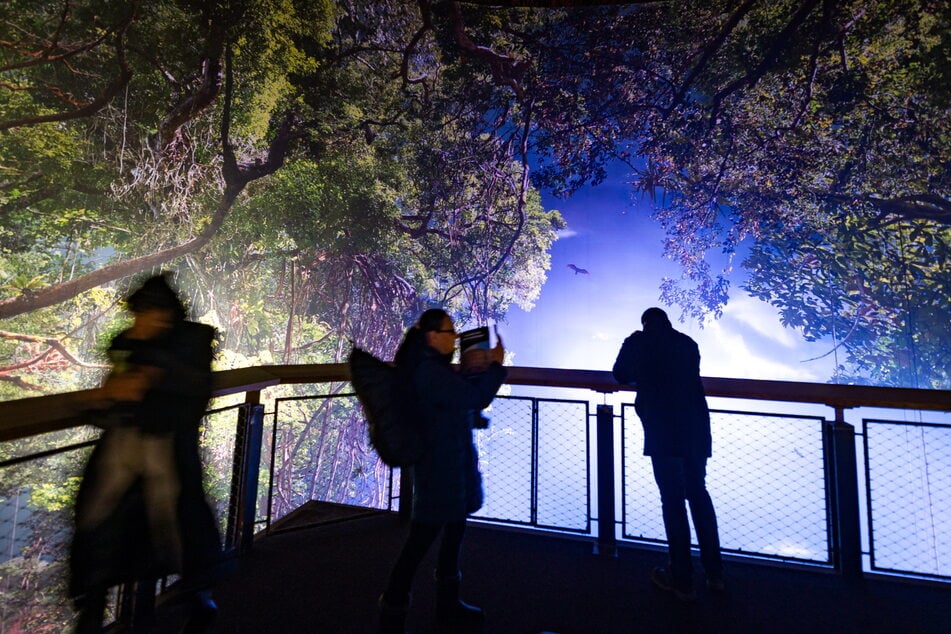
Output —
<point x="447" y="485"/>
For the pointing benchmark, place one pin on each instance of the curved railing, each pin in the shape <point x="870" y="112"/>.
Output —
<point x="32" y="416"/>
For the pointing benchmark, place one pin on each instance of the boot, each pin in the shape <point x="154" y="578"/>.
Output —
<point x="448" y="605"/>
<point x="392" y="617"/>
<point x="202" y="614"/>
<point x="92" y="610"/>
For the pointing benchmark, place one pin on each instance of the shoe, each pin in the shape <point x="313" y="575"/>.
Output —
<point x="663" y="580"/>
<point x="716" y="584"/>
<point x="202" y="614"/>
<point x="449" y="607"/>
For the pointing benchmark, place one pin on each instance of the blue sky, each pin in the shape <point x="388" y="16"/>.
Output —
<point x="580" y="321"/>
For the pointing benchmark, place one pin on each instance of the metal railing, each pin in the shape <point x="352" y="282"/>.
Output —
<point x="908" y="461"/>
<point x="548" y="463"/>
<point x="766" y="478"/>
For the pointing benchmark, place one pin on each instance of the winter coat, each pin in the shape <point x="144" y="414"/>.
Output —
<point x="447" y="483"/>
<point x="119" y="549"/>
<point x="664" y="364"/>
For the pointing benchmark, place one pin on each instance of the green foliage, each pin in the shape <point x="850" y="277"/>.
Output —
<point x="879" y="296"/>
<point x="754" y="124"/>
<point x="57" y="496"/>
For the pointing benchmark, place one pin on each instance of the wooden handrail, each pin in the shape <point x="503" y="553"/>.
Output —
<point x="27" y="417"/>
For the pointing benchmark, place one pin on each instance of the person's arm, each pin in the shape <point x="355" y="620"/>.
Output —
<point x="625" y="366"/>
<point x="442" y="385"/>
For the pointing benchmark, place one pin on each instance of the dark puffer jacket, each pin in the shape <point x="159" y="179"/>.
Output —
<point x="447" y="482"/>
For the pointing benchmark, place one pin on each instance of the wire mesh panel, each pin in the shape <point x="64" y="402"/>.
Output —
<point x="766" y="478"/>
<point x="563" y="491"/>
<point x="641" y="516"/>
<point x="38" y="485"/>
<point x="321" y="452"/>
<point x="534" y="462"/>
<point x="216" y="443"/>
<point x="908" y="476"/>
<point x="505" y="459"/>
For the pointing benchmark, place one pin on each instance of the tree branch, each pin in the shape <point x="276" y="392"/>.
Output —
<point x="781" y="42"/>
<point x="709" y="51"/>
<point x="122" y="78"/>
<point x="506" y="70"/>
<point x="930" y="207"/>
<point x="53" y="345"/>
<point x="236" y="177"/>
<point x="208" y="90"/>
<point x="425" y="27"/>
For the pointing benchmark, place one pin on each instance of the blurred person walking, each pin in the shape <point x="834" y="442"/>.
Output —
<point x="664" y="365"/>
<point x="447" y="485"/>
<point x="141" y="511"/>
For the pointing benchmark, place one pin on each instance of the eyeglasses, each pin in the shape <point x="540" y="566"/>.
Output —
<point x="450" y="331"/>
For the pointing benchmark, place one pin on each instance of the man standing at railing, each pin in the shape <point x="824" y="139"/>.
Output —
<point x="664" y="364"/>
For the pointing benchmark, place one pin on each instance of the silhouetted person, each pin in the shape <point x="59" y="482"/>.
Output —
<point x="447" y="485"/>
<point x="664" y="364"/>
<point x="141" y="512"/>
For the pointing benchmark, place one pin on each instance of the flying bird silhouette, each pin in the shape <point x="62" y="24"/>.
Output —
<point x="578" y="270"/>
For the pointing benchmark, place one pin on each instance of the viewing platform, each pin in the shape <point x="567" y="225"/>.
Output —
<point x="831" y="500"/>
<point x="327" y="578"/>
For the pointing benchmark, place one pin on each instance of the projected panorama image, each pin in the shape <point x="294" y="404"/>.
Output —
<point x="775" y="176"/>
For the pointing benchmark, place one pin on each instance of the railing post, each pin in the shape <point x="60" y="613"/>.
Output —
<point x="847" y="531"/>
<point x="607" y="539"/>
<point x="245" y="471"/>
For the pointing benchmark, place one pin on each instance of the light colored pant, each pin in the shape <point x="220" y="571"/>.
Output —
<point x="128" y="454"/>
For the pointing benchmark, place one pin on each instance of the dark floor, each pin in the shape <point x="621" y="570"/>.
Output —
<point x="327" y="578"/>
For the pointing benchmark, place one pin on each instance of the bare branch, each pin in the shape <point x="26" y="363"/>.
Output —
<point x="52" y="344"/>
<point x="19" y="382"/>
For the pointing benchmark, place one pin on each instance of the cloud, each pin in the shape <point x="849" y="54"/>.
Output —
<point x="562" y="234"/>
<point x="761" y="318"/>
<point x="726" y="352"/>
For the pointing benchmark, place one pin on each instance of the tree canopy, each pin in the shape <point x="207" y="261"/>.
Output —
<point x="313" y="169"/>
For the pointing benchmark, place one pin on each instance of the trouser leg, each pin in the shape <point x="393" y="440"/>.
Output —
<point x="120" y="456"/>
<point x="420" y="538"/>
<point x="448" y="563"/>
<point x="669" y="475"/>
<point x="394" y="602"/>
<point x="448" y="578"/>
<point x="201" y="541"/>
<point x="161" y="490"/>
<point x="704" y="517"/>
